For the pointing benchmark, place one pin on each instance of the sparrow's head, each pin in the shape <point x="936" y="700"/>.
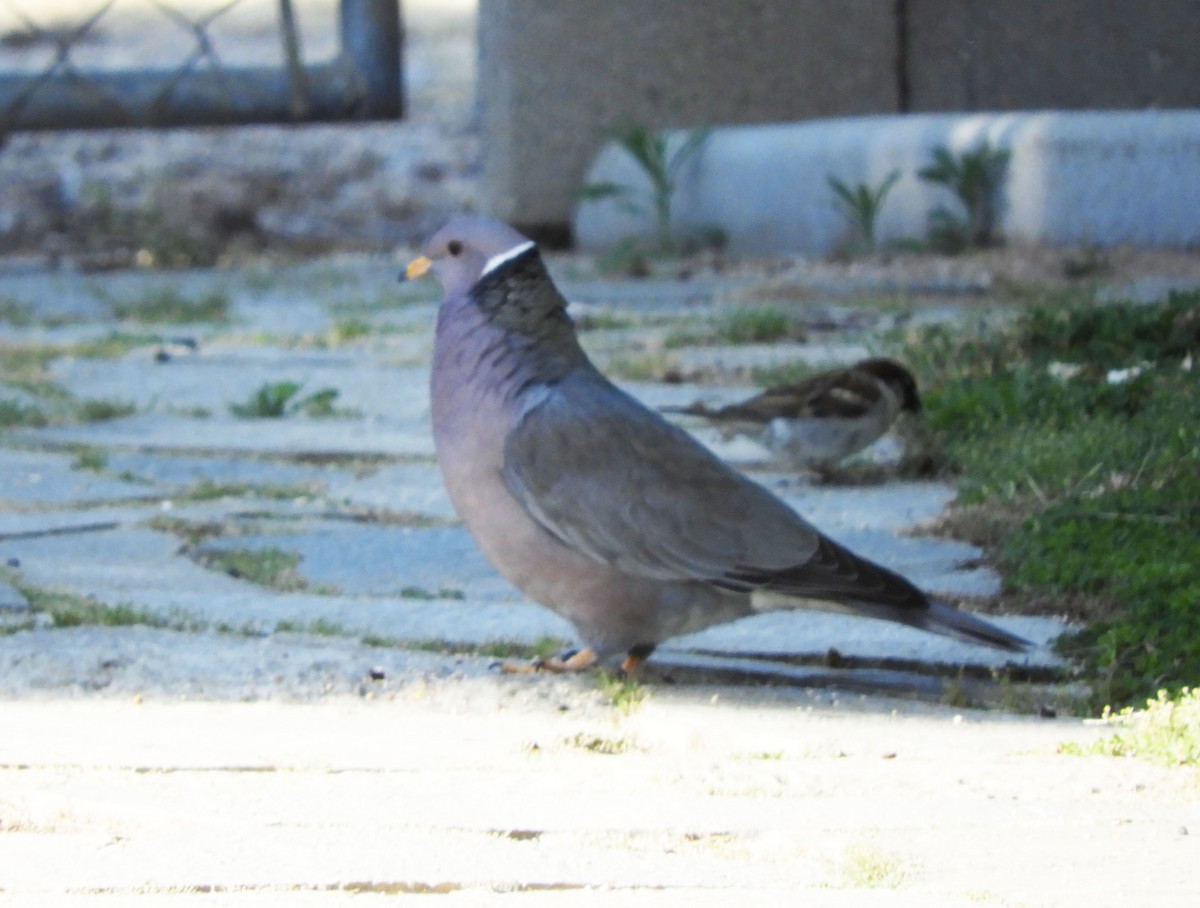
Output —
<point x="897" y="377"/>
<point x="465" y="250"/>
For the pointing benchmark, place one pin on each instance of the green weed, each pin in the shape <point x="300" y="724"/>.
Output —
<point x="268" y="566"/>
<point x="757" y="326"/>
<point x="103" y="410"/>
<point x="660" y="161"/>
<point x="67" y="609"/>
<point x="975" y="177"/>
<point x="274" y="400"/>
<point x="94" y="459"/>
<point x="622" y="690"/>
<point x="1166" y="731"/>
<point x="350" y="329"/>
<point x="168" y="305"/>
<point x="14" y="413"/>
<point x="598" y="744"/>
<point x="867" y="867"/>
<point x="211" y="490"/>
<point x="861" y="205"/>
<point x="318" y="627"/>
<point x="17" y="313"/>
<point x="416" y="592"/>
<point x="113" y="345"/>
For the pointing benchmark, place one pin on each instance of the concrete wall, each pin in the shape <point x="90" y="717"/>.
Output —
<point x="557" y="76"/>
<point x="1032" y="54"/>
<point x="1074" y="178"/>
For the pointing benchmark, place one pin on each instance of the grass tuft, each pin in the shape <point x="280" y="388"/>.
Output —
<point x="1166" y="731"/>
<point x="1077" y="425"/>
<point x="169" y="305"/>
<point x="623" y="691"/>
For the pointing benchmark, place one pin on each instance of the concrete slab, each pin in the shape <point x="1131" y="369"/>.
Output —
<point x="292" y="437"/>
<point x="1075" y="177"/>
<point x="216" y="377"/>
<point x="170" y="472"/>
<point x="36" y="478"/>
<point x="409" y="487"/>
<point x="144" y="569"/>
<point x="14" y="607"/>
<point x="128" y="661"/>
<point x="383" y="561"/>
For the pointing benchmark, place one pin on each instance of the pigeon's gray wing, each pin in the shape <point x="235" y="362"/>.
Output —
<point x="614" y="481"/>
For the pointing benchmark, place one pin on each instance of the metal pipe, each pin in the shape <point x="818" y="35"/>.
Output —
<point x="372" y="37"/>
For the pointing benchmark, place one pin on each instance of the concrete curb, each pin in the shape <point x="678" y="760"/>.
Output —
<point x="1074" y="178"/>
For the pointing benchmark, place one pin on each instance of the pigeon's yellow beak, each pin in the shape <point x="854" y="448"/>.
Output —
<point x="417" y="268"/>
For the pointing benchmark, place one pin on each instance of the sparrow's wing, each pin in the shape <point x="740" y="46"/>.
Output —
<point x="840" y="394"/>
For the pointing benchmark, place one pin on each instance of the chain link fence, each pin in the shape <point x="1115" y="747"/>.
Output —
<point x="87" y="64"/>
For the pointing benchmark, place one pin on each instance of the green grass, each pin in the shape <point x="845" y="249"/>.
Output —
<point x="1095" y="482"/>
<point x="599" y="744"/>
<point x="210" y="490"/>
<point x="417" y="592"/>
<point x="603" y="321"/>
<point x="67" y="609"/>
<point x="114" y="345"/>
<point x="17" y="313"/>
<point x="319" y="627"/>
<point x="542" y="648"/>
<point x="268" y="566"/>
<point x="757" y="326"/>
<point x="94" y="459"/>
<point x="1166" y="731"/>
<point x="270" y="400"/>
<point x="169" y="305"/>
<point x="16" y="413"/>
<point x="783" y="374"/>
<point x="623" y="691"/>
<point x="347" y="330"/>
<point x="867" y="867"/>
<point x="103" y="410"/>
<point x="275" y="400"/>
<point x="26" y="363"/>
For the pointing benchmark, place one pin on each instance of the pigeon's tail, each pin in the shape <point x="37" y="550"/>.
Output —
<point x="951" y="622"/>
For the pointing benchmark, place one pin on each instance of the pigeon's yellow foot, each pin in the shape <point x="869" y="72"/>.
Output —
<point x="636" y="657"/>
<point x="578" y="661"/>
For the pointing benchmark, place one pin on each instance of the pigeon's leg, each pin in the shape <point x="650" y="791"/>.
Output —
<point x="636" y="656"/>
<point x="578" y="661"/>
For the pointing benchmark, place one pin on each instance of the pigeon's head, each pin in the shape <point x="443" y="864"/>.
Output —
<point x="465" y="250"/>
<point x="896" y="377"/>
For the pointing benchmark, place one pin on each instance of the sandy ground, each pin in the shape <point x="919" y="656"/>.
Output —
<point x="533" y="791"/>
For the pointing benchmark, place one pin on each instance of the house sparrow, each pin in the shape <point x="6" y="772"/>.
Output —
<point x="823" y="418"/>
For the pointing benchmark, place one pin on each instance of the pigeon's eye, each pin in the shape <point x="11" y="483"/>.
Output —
<point x="454" y="247"/>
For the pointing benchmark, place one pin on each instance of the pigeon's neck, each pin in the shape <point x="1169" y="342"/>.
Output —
<point x="518" y="301"/>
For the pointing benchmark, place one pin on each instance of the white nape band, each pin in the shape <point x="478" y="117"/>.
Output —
<point x="497" y="260"/>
